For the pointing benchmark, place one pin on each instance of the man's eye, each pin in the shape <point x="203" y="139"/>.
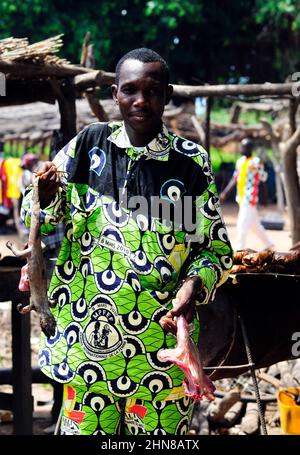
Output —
<point x="128" y="90"/>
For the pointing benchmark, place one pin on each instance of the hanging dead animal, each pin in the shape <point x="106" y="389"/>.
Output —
<point x="35" y="268"/>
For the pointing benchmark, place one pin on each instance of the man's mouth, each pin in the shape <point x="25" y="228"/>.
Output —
<point x="140" y="115"/>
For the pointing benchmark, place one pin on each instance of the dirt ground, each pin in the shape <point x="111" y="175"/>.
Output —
<point x="43" y="394"/>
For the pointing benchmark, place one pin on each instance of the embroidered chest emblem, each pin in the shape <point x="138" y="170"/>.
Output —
<point x="101" y="337"/>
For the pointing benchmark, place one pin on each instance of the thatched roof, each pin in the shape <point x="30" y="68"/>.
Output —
<point x="29" y="68"/>
<point x="22" y="61"/>
<point x="19" y="50"/>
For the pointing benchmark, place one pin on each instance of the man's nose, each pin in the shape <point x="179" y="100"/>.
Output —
<point x="140" y="99"/>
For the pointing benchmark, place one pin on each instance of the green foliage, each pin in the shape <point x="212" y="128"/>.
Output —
<point x="284" y="13"/>
<point x="222" y="115"/>
<point x="190" y="34"/>
<point x="280" y="22"/>
<point x="214" y="42"/>
<point x="170" y="13"/>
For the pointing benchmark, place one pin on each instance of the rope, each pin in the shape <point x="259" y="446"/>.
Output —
<point x="221" y="364"/>
<point x="254" y="379"/>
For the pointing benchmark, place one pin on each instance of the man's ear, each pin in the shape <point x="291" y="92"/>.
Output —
<point x="114" y="90"/>
<point x="169" y="93"/>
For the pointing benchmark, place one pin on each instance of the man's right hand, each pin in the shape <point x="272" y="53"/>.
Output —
<point x="48" y="182"/>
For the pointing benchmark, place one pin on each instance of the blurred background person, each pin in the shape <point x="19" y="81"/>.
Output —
<point x="249" y="172"/>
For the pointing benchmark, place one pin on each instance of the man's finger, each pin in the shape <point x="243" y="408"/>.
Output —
<point x="46" y="166"/>
<point x="51" y="170"/>
<point x="168" y="324"/>
<point x="181" y="309"/>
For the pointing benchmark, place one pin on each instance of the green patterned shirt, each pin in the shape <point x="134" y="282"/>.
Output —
<point x="121" y="261"/>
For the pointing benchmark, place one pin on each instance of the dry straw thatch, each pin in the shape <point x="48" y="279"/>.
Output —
<point x="19" y="50"/>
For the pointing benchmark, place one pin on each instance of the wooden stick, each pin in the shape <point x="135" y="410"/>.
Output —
<point x="84" y="51"/>
<point x="268" y="378"/>
<point x="94" y="78"/>
<point x="209" y="101"/>
<point x="198" y="128"/>
<point x="96" y="106"/>
<point x="30" y="70"/>
<point x="232" y="89"/>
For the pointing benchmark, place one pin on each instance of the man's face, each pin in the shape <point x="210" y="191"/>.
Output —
<point x="141" y="94"/>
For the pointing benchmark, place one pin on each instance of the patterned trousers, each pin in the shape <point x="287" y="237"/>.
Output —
<point x="87" y="413"/>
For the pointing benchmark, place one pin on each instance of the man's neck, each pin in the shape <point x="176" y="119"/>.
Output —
<point x="141" y="140"/>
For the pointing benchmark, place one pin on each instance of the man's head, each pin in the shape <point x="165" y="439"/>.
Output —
<point x="29" y="161"/>
<point x="142" y="90"/>
<point x="144" y="55"/>
<point x="246" y="146"/>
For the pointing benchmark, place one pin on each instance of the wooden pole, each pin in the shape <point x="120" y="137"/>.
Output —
<point x="235" y="113"/>
<point x="209" y="101"/>
<point x="27" y="70"/>
<point x="96" y="106"/>
<point x="88" y="60"/>
<point x="198" y="128"/>
<point x="293" y="106"/>
<point x="190" y="91"/>
<point x="30" y="70"/>
<point x="93" y="79"/>
<point x="66" y="97"/>
<point x="292" y="185"/>
<point x="84" y="51"/>
<point x="21" y="372"/>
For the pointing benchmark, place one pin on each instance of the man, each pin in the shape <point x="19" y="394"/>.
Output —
<point x="249" y="172"/>
<point x="119" y="268"/>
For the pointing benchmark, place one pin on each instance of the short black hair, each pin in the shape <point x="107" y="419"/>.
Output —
<point x="247" y="144"/>
<point x="145" y="55"/>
